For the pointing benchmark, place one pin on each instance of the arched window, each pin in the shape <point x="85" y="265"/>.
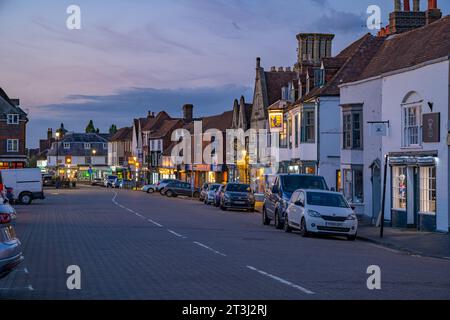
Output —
<point x="412" y="120"/>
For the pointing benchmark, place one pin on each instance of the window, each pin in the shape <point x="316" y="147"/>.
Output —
<point x="412" y="126"/>
<point x="296" y="130"/>
<point x="87" y="146"/>
<point x="308" y="126"/>
<point x="66" y="145"/>
<point x="159" y="145"/>
<point x="352" y="133"/>
<point x="88" y="160"/>
<point x="13" y="119"/>
<point x="319" y="77"/>
<point x="289" y="133"/>
<point x="283" y="135"/>
<point x="12" y="145"/>
<point x="105" y="146"/>
<point x="354" y="185"/>
<point x="428" y="190"/>
<point x="399" y="187"/>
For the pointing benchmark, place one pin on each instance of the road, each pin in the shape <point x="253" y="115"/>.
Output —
<point x="132" y="245"/>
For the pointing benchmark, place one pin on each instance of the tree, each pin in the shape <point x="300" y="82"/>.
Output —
<point x="113" y="129"/>
<point x="90" y="127"/>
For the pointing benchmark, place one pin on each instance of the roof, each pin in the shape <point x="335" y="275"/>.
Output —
<point x="7" y="106"/>
<point x="411" y="48"/>
<point x="355" y="57"/>
<point x="165" y="128"/>
<point x="275" y="80"/>
<point x="76" y="148"/>
<point x="147" y="124"/>
<point x="123" y="134"/>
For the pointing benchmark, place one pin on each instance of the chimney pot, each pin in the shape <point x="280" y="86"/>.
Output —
<point x="432" y="4"/>
<point x="406" y="6"/>
<point x="416" y="5"/>
<point x="258" y="62"/>
<point x="188" y="112"/>
<point x="273" y="69"/>
<point x="280" y="69"/>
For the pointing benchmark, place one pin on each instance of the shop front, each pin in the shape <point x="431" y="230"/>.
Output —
<point x="414" y="191"/>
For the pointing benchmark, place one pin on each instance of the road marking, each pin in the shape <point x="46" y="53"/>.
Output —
<point x="210" y="249"/>
<point x="176" y="234"/>
<point x="129" y="210"/>
<point x="155" y="223"/>
<point x="384" y="248"/>
<point x="288" y="283"/>
<point x="29" y="287"/>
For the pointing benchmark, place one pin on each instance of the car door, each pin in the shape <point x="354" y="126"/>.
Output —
<point x="271" y="199"/>
<point x="299" y="209"/>
<point x="187" y="189"/>
<point x="290" y="211"/>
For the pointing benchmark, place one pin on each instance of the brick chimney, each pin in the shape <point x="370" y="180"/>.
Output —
<point x="433" y="13"/>
<point x="404" y="20"/>
<point x="188" y="113"/>
<point x="416" y="5"/>
<point x="406" y="6"/>
<point x="49" y="134"/>
<point x="150" y="115"/>
<point x="258" y="62"/>
<point x="15" y="102"/>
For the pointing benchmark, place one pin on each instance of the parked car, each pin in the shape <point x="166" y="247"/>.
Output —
<point x="219" y="195"/>
<point x="110" y="181"/>
<point x="203" y="192"/>
<point x="126" y="184"/>
<point x="210" y="197"/>
<point x="238" y="196"/>
<point x="48" y="180"/>
<point x="162" y="184"/>
<point x="178" y="188"/>
<point x="149" y="188"/>
<point x="10" y="247"/>
<point x="321" y="212"/>
<point x="117" y="183"/>
<point x="27" y="184"/>
<point x="96" y="182"/>
<point x="277" y="197"/>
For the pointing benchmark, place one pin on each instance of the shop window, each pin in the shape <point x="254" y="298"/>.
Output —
<point x="354" y="185"/>
<point x="399" y="187"/>
<point x="428" y="190"/>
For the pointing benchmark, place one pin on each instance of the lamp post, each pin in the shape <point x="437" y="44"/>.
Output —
<point x="57" y="134"/>
<point x="94" y="152"/>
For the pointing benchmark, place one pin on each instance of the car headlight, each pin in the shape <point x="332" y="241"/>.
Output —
<point x="251" y="197"/>
<point x="314" y="214"/>
<point x="352" y="217"/>
<point x="226" y="197"/>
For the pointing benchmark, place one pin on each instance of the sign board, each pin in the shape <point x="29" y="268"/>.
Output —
<point x="379" y="129"/>
<point x="431" y="127"/>
<point x="276" y="121"/>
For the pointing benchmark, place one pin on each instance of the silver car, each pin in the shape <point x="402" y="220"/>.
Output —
<point x="10" y="247"/>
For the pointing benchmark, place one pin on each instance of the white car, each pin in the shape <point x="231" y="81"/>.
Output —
<point x="321" y="212"/>
<point x="149" y="188"/>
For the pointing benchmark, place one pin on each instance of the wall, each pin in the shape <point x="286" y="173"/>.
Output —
<point x="431" y="83"/>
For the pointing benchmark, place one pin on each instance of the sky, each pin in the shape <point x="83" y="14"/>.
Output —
<point x="135" y="56"/>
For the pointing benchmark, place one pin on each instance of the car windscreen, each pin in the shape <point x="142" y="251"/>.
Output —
<point x="326" y="200"/>
<point x="238" y="188"/>
<point x="112" y="177"/>
<point x="214" y="187"/>
<point x="293" y="183"/>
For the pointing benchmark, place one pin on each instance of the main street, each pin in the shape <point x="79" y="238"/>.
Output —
<point x="132" y="245"/>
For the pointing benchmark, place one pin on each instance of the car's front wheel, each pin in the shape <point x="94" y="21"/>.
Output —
<point x="278" y="223"/>
<point x="287" y="228"/>
<point x="352" y="237"/>
<point x="303" y="229"/>
<point x="169" y="194"/>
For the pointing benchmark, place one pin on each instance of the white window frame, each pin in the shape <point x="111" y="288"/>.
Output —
<point x="427" y="190"/>
<point x="12" y="145"/>
<point x="87" y="146"/>
<point x="67" y="145"/>
<point x="411" y="132"/>
<point x="399" y="198"/>
<point x="13" y="118"/>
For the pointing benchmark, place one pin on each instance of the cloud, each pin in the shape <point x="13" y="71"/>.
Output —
<point x="121" y="107"/>
<point x="336" y="21"/>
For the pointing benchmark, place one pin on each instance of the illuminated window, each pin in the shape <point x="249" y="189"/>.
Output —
<point x="399" y="187"/>
<point x="428" y="190"/>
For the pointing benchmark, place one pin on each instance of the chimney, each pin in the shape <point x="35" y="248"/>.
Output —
<point x="258" y="62"/>
<point x="49" y="134"/>
<point x="288" y="69"/>
<point x="397" y="5"/>
<point x="416" y="5"/>
<point x="406" y="6"/>
<point x="188" y="113"/>
<point x="280" y="69"/>
<point x="150" y="115"/>
<point x="433" y="13"/>
<point x="273" y="69"/>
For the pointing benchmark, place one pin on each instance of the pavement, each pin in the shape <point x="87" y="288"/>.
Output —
<point x="133" y="245"/>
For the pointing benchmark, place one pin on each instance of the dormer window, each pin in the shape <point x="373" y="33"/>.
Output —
<point x="319" y="77"/>
<point x="87" y="146"/>
<point x="67" y="145"/>
<point x="13" y="119"/>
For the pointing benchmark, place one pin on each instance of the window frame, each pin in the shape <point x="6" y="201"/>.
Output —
<point x="308" y="125"/>
<point x="66" y="145"/>
<point x="428" y="187"/>
<point x="10" y="121"/>
<point x="351" y="134"/>
<point x="399" y="198"/>
<point x="353" y="185"/>
<point x="408" y="128"/>
<point x="14" y="142"/>
<point x="87" y="146"/>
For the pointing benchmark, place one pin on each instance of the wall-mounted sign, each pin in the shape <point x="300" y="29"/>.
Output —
<point x="276" y="121"/>
<point x="431" y="123"/>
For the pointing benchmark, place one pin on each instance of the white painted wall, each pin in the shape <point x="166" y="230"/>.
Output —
<point x="431" y="82"/>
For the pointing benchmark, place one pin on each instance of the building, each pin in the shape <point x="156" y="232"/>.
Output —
<point x="13" y="126"/>
<point x="119" y="152"/>
<point x="401" y="99"/>
<point x="80" y="155"/>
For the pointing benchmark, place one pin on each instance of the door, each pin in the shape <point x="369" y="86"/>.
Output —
<point x="376" y="191"/>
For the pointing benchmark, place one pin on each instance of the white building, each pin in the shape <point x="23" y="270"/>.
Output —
<point x="402" y="97"/>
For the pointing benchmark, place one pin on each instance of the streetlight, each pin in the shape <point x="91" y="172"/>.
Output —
<point x="58" y="134"/>
<point x="94" y="152"/>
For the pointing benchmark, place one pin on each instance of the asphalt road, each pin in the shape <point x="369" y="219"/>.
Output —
<point x="132" y="245"/>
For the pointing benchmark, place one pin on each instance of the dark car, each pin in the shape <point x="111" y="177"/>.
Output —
<point x="97" y="182"/>
<point x="238" y="196"/>
<point x="48" y="180"/>
<point x="277" y="197"/>
<point x="203" y="192"/>
<point x="110" y="181"/>
<point x="10" y="247"/>
<point x="219" y="195"/>
<point x="161" y="185"/>
<point x="178" y="188"/>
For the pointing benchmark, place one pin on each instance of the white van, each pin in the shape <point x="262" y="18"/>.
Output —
<point x="26" y="184"/>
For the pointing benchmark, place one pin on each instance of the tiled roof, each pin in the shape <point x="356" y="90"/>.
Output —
<point x="123" y="134"/>
<point x="77" y="141"/>
<point x="165" y="128"/>
<point x="411" y="48"/>
<point x="6" y="106"/>
<point x="275" y="80"/>
<point x="147" y="124"/>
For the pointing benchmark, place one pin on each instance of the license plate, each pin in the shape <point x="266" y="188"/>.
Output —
<point x="334" y="224"/>
<point x="239" y="202"/>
